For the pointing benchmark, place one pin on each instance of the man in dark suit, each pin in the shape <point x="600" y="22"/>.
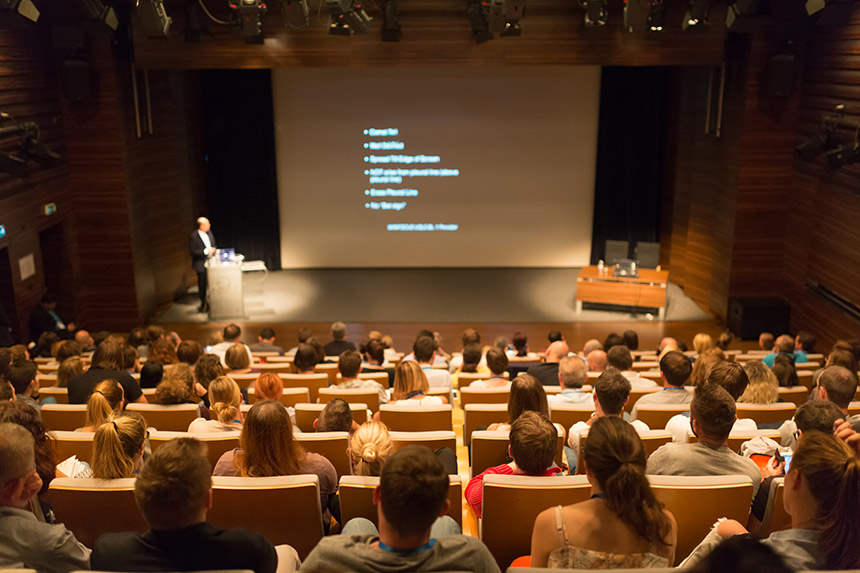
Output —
<point x="547" y="371"/>
<point x="201" y="245"/>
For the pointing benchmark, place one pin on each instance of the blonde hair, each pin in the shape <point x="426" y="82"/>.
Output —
<point x="116" y="444"/>
<point x="105" y="398"/>
<point x="408" y="378"/>
<point x="225" y="397"/>
<point x="236" y="357"/>
<point x="763" y="387"/>
<point x="69" y="368"/>
<point x="703" y="342"/>
<point x="370" y="447"/>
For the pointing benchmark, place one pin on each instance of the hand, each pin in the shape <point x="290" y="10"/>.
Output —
<point x="773" y="468"/>
<point x="842" y="430"/>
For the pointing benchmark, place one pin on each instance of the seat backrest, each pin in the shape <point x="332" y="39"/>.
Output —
<point x="614" y="250"/>
<point x="634" y="397"/>
<point x="489" y="449"/>
<point x="61" y="395"/>
<point x="644" y="366"/>
<point x="173" y="417"/>
<point x="567" y="414"/>
<point x="330" y="445"/>
<point x="475" y="415"/>
<point x="47" y="380"/>
<point x="796" y="394"/>
<point x="351" y="395"/>
<point x="280" y="359"/>
<point x="67" y="444"/>
<point x="307" y="413"/>
<point x="853" y="408"/>
<point x="466" y="378"/>
<point x="807" y="366"/>
<point x="482" y="396"/>
<point x="313" y="382"/>
<point x="244" y="379"/>
<point x="275" y="367"/>
<point x="738" y="438"/>
<point x="656" y="416"/>
<point x="356" y="498"/>
<point x="217" y="443"/>
<point x="77" y="502"/>
<point x="767" y="413"/>
<point x="290" y="396"/>
<point x="775" y="517"/>
<point x="418" y="419"/>
<point x="648" y="254"/>
<point x="804" y="378"/>
<point x="379" y="377"/>
<point x="697" y="502"/>
<point x="329" y="369"/>
<point x="512" y="503"/>
<point x="284" y="509"/>
<point x="651" y="439"/>
<point x="64" y="416"/>
<point x="432" y="440"/>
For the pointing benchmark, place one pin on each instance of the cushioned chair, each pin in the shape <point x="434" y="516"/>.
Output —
<point x="421" y="419"/>
<point x="47" y="380"/>
<point x="330" y="445"/>
<point x="67" y="444"/>
<point x="475" y="415"/>
<point x="329" y="369"/>
<point x="313" y="382"/>
<point x="356" y="497"/>
<point x="775" y="517"/>
<point x="491" y="449"/>
<point x="245" y="379"/>
<point x="64" y="416"/>
<point x="853" y="408"/>
<point x="644" y="366"/>
<point x="767" y="413"/>
<point x="796" y="394"/>
<point x="275" y="367"/>
<point x="634" y="397"/>
<point x="279" y="359"/>
<point x="656" y="416"/>
<point x="90" y="507"/>
<point x="651" y="439"/>
<point x="350" y="396"/>
<point x="307" y="413"/>
<point x="615" y="250"/>
<point x="61" y="395"/>
<point x="432" y="440"/>
<point x="697" y="502"/>
<point x="284" y="509"/>
<point x="810" y="366"/>
<point x="290" y="396"/>
<point x="265" y="355"/>
<point x="173" y="417"/>
<point x="652" y="376"/>
<point x="568" y="414"/>
<point x="217" y="443"/>
<point x="512" y="503"/>
<point x="804" y="378"/>
<point x="481" y="396"/>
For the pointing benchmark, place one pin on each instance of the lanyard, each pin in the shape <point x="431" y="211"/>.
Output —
<point x="416" y="393"/>
<point x="598" y="496"/>
<point x="412" y="551"/>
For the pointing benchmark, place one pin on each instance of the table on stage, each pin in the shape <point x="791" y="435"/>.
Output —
<point x="646" y="290"/>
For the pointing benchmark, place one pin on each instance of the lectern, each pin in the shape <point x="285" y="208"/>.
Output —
<point x="226" y="296"/>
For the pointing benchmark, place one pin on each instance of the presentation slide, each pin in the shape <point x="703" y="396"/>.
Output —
<point x="436" y="167"/>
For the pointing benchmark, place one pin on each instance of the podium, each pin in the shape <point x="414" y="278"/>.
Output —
<point x="226" y="295"/>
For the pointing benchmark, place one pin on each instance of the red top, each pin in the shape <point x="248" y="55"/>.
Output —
<point x="475" y="487"/>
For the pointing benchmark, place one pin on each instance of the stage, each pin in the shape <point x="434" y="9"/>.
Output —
<point x="509" y="295"/>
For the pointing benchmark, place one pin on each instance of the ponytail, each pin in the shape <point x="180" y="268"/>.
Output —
<point x="115" y="445"/>
<point x="103" y="400"/>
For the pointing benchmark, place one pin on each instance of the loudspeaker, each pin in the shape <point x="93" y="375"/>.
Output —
<point x="749" y="317"/>
<point x="77" y="80"/>
<point x="780" y="75"/>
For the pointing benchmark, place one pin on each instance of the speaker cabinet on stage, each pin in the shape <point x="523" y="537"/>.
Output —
<point x="749" y="317"/>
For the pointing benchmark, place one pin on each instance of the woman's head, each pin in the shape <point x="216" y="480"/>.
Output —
<point x="107" y="356"/>
<point x="177" y="385"/>
<point x="369" y="448"/>
<point x="763" y="387"/>
<point x="189" y="352"/>
<point x="409" y="378"/>
<point x="704" y="363"/>
<point x="306" y="357"/>
<point x="268" y="447"/>
<point x="521" y="343"/>
<point x="105" y="398"/>
<point x="207" y="369"/>
<point x="237" y="357"/>
<point x="225" y="399"/>
<point x="471" y="358"/>
<point x="784" y="370"/>
<point x="702" y="342"/>
<point x="269" y="386"/>
<point x="527" y="393"/>
<point x="129" y="357"/>
<point x="45" y="344"/>
<point x="151" y="374"/>
<point x="615" y="459"/>
<point x="163" y="351"/>
<point x="26" y="416"/>
<point x="69" y="368"/>
<point x="118" y="446"/>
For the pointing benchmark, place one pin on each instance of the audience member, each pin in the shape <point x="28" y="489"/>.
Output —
<point x="151" y="374"/>
<point x="731" y="376"/>
<point x="547" y="371"/>
<point x="85" y="340"/>
<point x="269" y="386"/>
<point x="572" y="374"/>
<point x="336" y="416"/>
<point x="412" y="493"/>
<point x="596" y="361"/>
<point x="470" y="337"/>
<point x="7" y="392"/>
<point x="266" y="342"/>
<point x="24" y="416"/>
<point x="118" y="446"/>
<point x="785" y="345"/>
<point x="675" y="370"/>
<point x="666" y="341"/>
<point x="631" y="339"/>
<point x="225" y="400"/>
<point x="472" y="358"/>
<point x="106" y="365"/>
<point x="189" y="352"/>
<point x="725" y="340"/>
<point x="45" y="345"/>
<point x="766" y="341"/>
<point x="338" y="342"/>
<point x="836" y="384"/>
<point x="130" y="361"/>
<point x="424" y="350"/>
<point x="232" y="335"/>
<point x="23" y="377"/>
<point x="521" y="345"/>
<point x="704" y="363"/>
<point x="369" y="448"/>
<point x="374" y="360"/>
<point x="303" y="334"/>
<point x="742" y="554"/>
<point x="237" y="359"/>
<point x="622" y="525"/>
<point x="763" y="385"/>
<point x="152" y="334"/>
<point x="207" y="369"/>
<point x="107" y="397"/>
<point x="411" y="387"/>
<point x="703" y="342"/>
<point x="619" y="357"/>
<point x="527" y="393"/>
<point x="590" y="345"/>
<point x="67" y="349"/>
<point x="349" y="366"/>
<point x="306" y="358"/>
<point x="804" y="342"/>
<point x="613" y="339"/>
<point x="784" y="370"/>
<point x="497" y="363"/>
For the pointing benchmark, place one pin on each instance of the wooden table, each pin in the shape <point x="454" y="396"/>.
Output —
<point x="646" y="290"/>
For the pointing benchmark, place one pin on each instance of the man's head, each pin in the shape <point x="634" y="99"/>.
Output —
<point x="18" y="478"/>
<point x="817" y="415"/>
<point x="375" y="351"/>
<point x="556" y="351"/>
<point x="572" y="372"/>
<point x="84" y="339"/>
<point x="591" y="345"/>
<point x="338" y="330"/>
<point x="675" y="368"/>
<point x="335" y="417"/>
<point x="424" y="347"/>
<point x="497" y="361"/>
<point x="612" y="340"/>
<point x="203" y="224"/>
<point x="731" y="376"/>
<point x="805" y="341"/>
<point x="611" y="391"/>
<point x="306" y="357"/>
<point x="412" y="492"/>
<point x="631" y="339"/>
<point x="667" y="341"/>
<point x="67" y="349"/>
<point x="835" y="384"/>
<point x="619" y="357"/>
<point x="534" y="441"/>
<point x="596" y="361"/>
<point x="784" y="343"/>
<point x="7" y="391"/>
<point x="712" y="413"/>
<point x="766" y="341"/>
<point x="471" y="336"/>
<point x="22" y="376"/>
<point x="232" y="333"/>
<point x="555" y="336"/>
<point x="174" y="487"/>
<point x="49" y="301"/>
<point x="267" y="335"/>
<point x="349" y="363"/>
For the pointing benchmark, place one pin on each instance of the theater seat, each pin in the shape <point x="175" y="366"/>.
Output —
<point x="351" y="395"/>
<point x="432" y="440"/>
<point x="284" y="509"/>
<point x="329" y="369"/>
<point x="796" y="394"/>
<point x="307" y="413"/>
<point x="656" y="416"/>
<point x="416" y="419"/>
<point x="775" y="517"/>
<point x="61" y="395"/>
<point x="330" y="445"/>
<point x="64" y="416"/>
<point x="767" y="413"/>
<point x="356" y="497"/>
<point x="491" y="448"/>
<point x="67" y="444"/>
<point x="290" y="396"/>
<point x="173" y="417"/>
<point x="651" y="439"/>
<point x="475" y="415"/>
<point x="634" y="397"/>
<point x="217" y="443"/>
<point x="90" y="507"/>
<point x="568" y="414"/>
<point x="466" y="378"/>
<point x="313" y="382"/>
<point x="483" y="396"/>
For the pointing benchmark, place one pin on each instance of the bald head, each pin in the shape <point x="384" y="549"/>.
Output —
<point x="596" y="361"/>
<point x="590" y="345"/>
<point x="784" y="343"/>
<point x="556" y="351"/>
<point x="83" y="338"/>
<point x="203" y="224"/>
<point x="668" y="341"/>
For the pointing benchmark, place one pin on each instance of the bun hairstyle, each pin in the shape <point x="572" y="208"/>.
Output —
<point x="105" y="398"/>
<point x="370" y="447"/>
<point x="225" y="399"/>
<point x="616" y="457"/>
<point x="116" y="444"/>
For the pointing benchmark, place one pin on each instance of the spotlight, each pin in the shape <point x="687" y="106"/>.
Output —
<point x="697" y="14"/>
<point x="247" y="16"/>
<point x="390" y="22"/>
<point x="830" y="12"/>
<point x="348" y="17"/>
<point x="295" y="13"/>
<point x="505" y="16"/>
<point x="25" y="8"/>
<point x="480" y="29"/>
<point x="96" y="11"/>
<point x="656" y="15"/>
<point x="844" y="154"/>
<point x="741" y="16"/>
<point x="14" y="166"/>
<point x="596" y="13"/>
<point x="156" y="23"/>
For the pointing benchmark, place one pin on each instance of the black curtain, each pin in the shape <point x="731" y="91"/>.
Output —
<point x="240" y="163"/>
<point x="630" y="145"/>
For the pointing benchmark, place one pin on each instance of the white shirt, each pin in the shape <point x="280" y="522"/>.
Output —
<point x="681" y="430"/>
<point x="437" y="378"/>
<point x="206" y="243"/>
<point x="221" y="348"/>
<point x="579" y="427"/>
<point x="638" y="383"/>
<point x="484" y="385"/>
<point x="570" y="397"/>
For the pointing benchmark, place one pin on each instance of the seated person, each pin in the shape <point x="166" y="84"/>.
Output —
<point x="174" y="493"/>
<point x="46" y="459"/>
<point x="152" y="373"/>
<point x="107" y="397"/>
<point x="527" y="393"/>
<point x="23" y="377"/>
<point x="547" y="371"/>
<point x="784" y="370"/>
<point x="764" y="386"/>
<point x="596" y="360"/>
<point x="266" y="342"/>
<point x="118" y="446"/>
<point x="835" y="384"/>
<point x="225" y="411"/>
<point x="26" y="542"/>
<point x="785" y="344"/>
<point x="336" y="416"/>
<point x="349" y="366"/>
<point x="106" y="364"/>
<point x="375" y="361"/>
<point x="371" y="446"/>
<point x="712" y="415"/>
<point x="497" y="363"/>
<point x="675" y="370"/>
<point x="534" y="441"/>
<point x="622" y="525"/>
<point x="178" y="387"/>
<point x="69" y="368"/>
<point x="412" y="494"/>
<point x="411" y="387"/>
<point x="424" y="350"/>
<point x="306" y="358"/>
<point x="471" y="359"/>
<point x="572" y="374"/>
<point x="237" y="359"/>
<point x="619" y="357"/>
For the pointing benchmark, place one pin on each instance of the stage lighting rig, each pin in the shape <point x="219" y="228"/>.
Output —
<point x="347" y="17"/>
<point x="596" y="12"/>
<point x="156" y="23"/>
<point x="29" y="147"/>
<point x="391" y="22"/>
<point x="830" y="12"/>
<point x="844" y="154"/>
<point x="696" y="17"/>
<point x="96" y="11"/>
<point x="480" y="28"/>
<point x="247" y="19"/>
<point x="25" y="8"/>
<point x="503" y="16"/>
<point x="295" y="13"/>
<point x="656" y="15"/>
